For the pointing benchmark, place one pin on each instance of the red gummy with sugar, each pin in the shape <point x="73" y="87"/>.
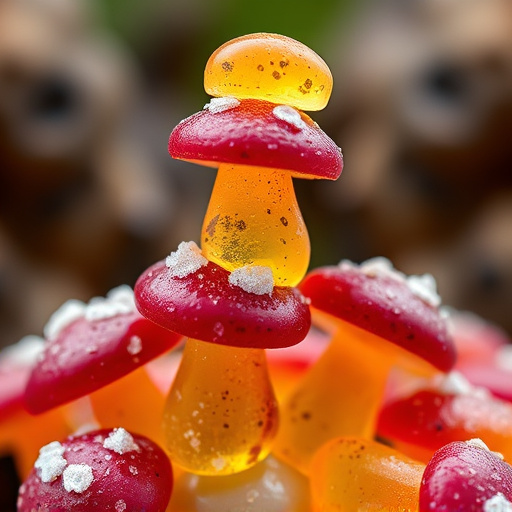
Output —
<point x="205" y="306"/>
<point x="140" y="479"/>
<point x="251" y="134"/>
<point x="431" y="419"/>
<point x="462" y="477"/>
<point x="384" y="306"/>
<point x="89" y="354"/>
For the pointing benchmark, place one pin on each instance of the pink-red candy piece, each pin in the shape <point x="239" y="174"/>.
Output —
<point x="462" y="477"/>
<point x="205" y="306"/>
<point x="89" y="354"/>
<point x="258" y="133"/>
<point x="385" y="306"/>
<point x="105" y="470"/>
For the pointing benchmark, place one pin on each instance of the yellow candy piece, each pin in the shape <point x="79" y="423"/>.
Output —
<point x="354" y="475"/>
<point x="221" y="413"/>
<point x="269" y="67"/>
<point x="253" y="219"/>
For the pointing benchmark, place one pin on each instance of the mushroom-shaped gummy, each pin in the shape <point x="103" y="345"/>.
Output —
<point x="466" y="476"/>
<point x="21" y="434"/>
<point x="380" y="317"/>
<point x="352" y="473"/>
<point x="444" y="410"/>
<point x="253" y="217"/>
<point x="104" y="470"/>
<point x="269" y="67"/>
<point x="221" y="412"/>
<point x="90" y="346"/>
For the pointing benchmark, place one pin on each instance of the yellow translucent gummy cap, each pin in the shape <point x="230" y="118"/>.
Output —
<point x="269" y="67"/>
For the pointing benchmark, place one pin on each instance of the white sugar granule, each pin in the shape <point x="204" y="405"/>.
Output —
<point x="186" y="260"/>
<point x="119" y="301"/>
<point x="219" y="463"/>
<point x="134" y="345"/>
<point x="497" y="503"/>
<point x="454" y="383"/>
<point x="24" y="353"/>
<point x="70" y="311"/>
<point x="218" y="105"/>
<point x="120" y="506"/>
<point x="51" y="462"/>
<point x="289" y="115"/>
<point x="423" y="286"/>
<point x="77" y="477"/>
<point x="120" y="441"/>
<point x="253" y="279"/>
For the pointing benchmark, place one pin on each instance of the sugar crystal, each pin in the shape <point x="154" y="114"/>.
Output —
<point x="497" y="503"/>
<point x="253" y="279"/>
<point x="24" y="353"/>
<point x="218" y="105"/>
<point x="134" y="345"/>
<point x="120" y="441"/>
<point x="77" y="477"/>
<point x="289" y="115"/>
<point x="51" y="462"/>
<point x="186" y="260"/>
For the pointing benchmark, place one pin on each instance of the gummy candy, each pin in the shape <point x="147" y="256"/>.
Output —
<point x="351" y="474"/>
<point x="269" y="67"/>
<point x="221" y="411"/>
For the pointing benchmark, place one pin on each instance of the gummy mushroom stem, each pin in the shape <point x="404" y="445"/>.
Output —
<point x="253" y="219"/>
<point x="221" y="412"/>
<point x="339" y="396"/>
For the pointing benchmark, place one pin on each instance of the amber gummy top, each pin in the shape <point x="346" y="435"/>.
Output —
<point x="269" y="67"/>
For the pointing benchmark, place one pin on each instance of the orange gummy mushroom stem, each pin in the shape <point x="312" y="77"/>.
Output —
<point x="342" y="392"/>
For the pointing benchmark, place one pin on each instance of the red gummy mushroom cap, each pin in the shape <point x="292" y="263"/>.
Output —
<point x="382" y="303"/>
<point x="87" y="354"/>
<point x="206" y="306"/>
<point x="101" y="470"/>
<point x="464" y="476"/>
<point x="258" y="133"/>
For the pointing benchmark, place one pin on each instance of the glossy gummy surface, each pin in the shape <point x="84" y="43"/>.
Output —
<point x="87" y="355"/>
<point x="204" y="305"/>
<point x="252" y="134"/>
<point x="139" y="479"/>
<point x="383" y="306"/>
<point x="253" y="219"/>
<point x="269" y="67"/>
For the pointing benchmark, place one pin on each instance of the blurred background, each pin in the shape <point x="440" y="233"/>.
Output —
<point x="90" y="90"/>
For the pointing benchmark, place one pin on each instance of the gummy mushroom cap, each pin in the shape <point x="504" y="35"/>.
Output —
<point x="204" y="305"/>
<point x="383" y="305"/>
<point x="466" y="476"/>
<point x="87" y="354"/>
<point x="257" y="133"/>
<point x="101" y="470"/>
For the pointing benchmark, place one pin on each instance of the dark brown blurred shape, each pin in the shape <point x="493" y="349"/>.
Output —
<point x="422" y="107"/>
<point x="79" y="191"/>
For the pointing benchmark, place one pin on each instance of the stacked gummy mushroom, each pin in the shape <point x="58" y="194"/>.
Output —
<point x="236" y="295"/>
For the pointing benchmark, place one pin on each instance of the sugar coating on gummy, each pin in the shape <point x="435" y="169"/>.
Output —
<point x="120" y="441"/>
<point x="253" y="279"/>
<point x="186" y="260"/>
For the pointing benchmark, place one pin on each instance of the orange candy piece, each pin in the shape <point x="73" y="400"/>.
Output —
<point x="351" y="474"/>
<point x="269" y="67"/>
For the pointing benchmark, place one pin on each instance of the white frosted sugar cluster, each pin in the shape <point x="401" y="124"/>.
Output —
<point x="118" y="301"/>
<point x="186" y="260"/>
<point x="498" y="503"/>
<point x="77" y="477"/>
<point x="24" y="353"/>
<point x="289" y="115"/>
<point x="454" y="383"/>
<point x="253" y="279"/>
<point x="120" y="441"/>
<point x="218" y="105"/>
<point x="423" y="286"/>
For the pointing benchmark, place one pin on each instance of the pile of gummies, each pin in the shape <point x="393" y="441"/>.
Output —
<point x="228" y="380"/>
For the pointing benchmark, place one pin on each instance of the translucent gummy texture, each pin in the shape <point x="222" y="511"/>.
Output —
<point x="269" y="67"/>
